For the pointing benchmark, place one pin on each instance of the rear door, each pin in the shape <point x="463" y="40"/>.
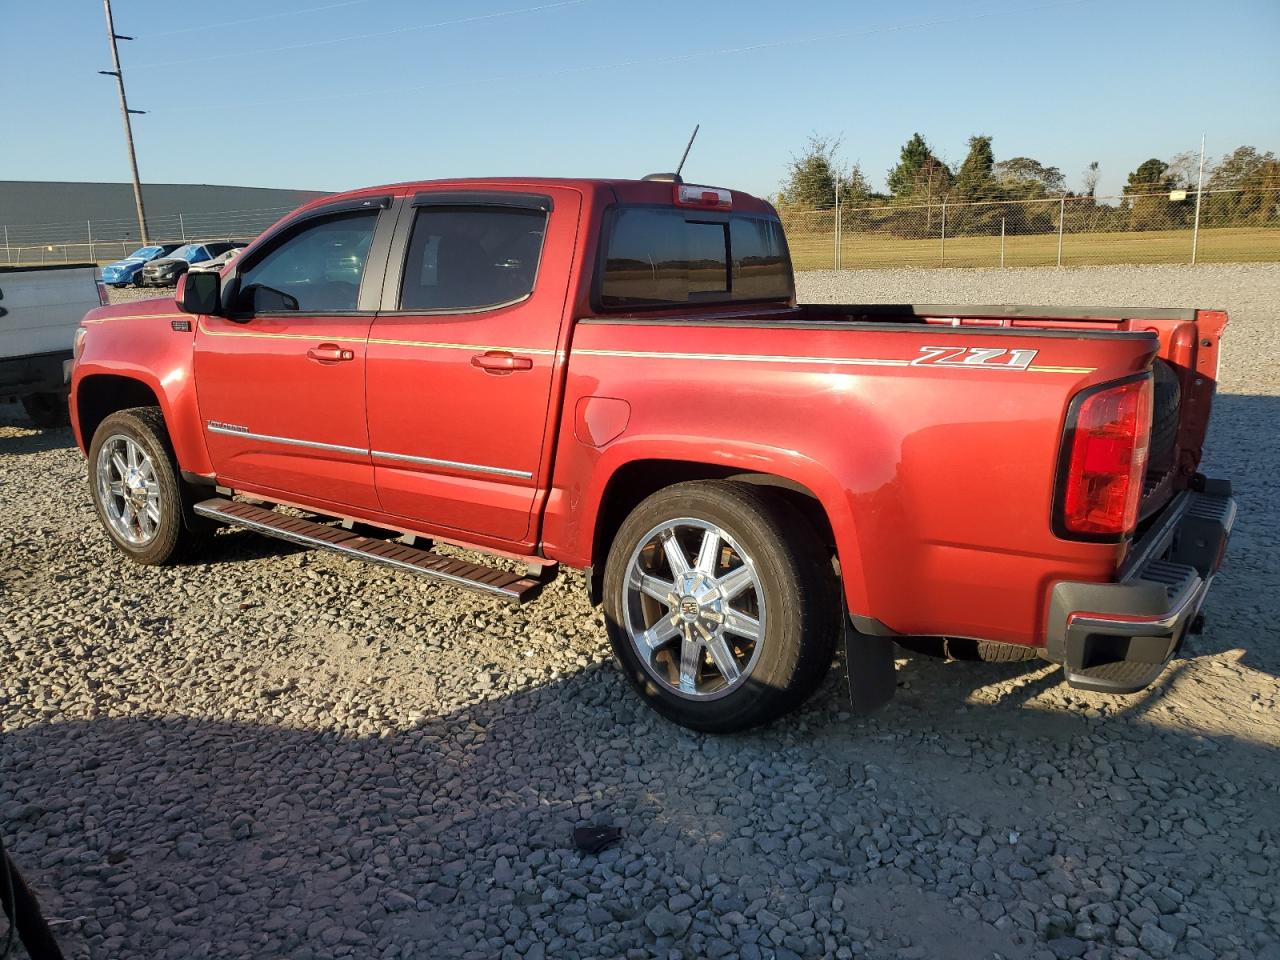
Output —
<point x="461" y="359"/>
<point x="281" y="379"/>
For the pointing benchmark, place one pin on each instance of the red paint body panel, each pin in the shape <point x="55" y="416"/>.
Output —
<point x="262" y="380"/>
<point x="426" y="399"/>
<point x="137" y="340"/>
<point x="937" y="482"/>
<point x="931" y="440"/>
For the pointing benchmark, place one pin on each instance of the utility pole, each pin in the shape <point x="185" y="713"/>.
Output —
<point x="124" y="112"/>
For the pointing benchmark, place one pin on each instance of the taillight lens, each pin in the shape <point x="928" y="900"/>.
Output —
<point x="1106" y="458"/>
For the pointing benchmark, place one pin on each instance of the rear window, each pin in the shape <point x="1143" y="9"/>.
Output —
<point x="660" y="256"/>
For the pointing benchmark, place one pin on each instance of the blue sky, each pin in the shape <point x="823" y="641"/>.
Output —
<point x="370" y="91"/>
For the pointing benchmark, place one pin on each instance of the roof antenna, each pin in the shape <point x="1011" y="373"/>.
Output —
<point x="685" y="156"/>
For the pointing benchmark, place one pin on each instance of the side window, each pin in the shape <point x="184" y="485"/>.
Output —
<point x="468" y="258"/>
<point x="316" y="268"/>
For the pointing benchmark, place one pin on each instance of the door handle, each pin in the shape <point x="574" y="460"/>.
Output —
<point x="501" y="361"/>
<point x="330" y="353"/>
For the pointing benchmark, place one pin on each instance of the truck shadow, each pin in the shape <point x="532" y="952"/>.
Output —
<point x="26" y="439"/>
<point x="159" y="835"/>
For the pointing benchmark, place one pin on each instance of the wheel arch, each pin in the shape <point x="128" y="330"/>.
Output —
<point x="637" y="479"/>
<point x="98" y="392"/>
<point x="99" y="395"/>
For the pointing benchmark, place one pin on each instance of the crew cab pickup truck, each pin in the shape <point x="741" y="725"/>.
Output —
<point x="616" y="376"/>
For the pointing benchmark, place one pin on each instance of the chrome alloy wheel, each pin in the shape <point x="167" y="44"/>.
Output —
<point x="694" y="608"/>
<point x="129" y="490"/>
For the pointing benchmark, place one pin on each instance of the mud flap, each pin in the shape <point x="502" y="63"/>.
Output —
<point x="869" y="663"/>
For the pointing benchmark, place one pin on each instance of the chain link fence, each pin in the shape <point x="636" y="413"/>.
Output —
<point x="1219" y="226"/>
<point x="1228" y="226"/>
<point x="102" y="241"/>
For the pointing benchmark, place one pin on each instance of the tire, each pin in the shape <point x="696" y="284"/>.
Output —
<point x="47" y="410"/>
<point x="161" y="537"/>
<point x="793" y="595"/>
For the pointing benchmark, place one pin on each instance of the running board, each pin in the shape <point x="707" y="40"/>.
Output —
<point x="308" y="533"/>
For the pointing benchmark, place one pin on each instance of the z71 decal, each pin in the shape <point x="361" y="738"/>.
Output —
<point x="975" y="357"/>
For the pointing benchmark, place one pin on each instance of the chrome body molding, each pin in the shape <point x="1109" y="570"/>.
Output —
<point x="452" y="464"/>
<point x="234" y="430"/>
<point x="215" y="427"/>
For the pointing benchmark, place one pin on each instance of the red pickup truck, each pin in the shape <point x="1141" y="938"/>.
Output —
<point x="615" y="375"/>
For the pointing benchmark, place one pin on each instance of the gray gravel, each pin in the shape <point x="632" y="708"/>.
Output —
<point x="288" y="754"/>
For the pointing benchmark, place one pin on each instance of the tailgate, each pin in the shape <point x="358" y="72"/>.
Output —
<point x="40" y="307"/>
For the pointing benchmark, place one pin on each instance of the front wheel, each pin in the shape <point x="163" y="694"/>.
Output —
<point x="721" y="606"/>
<point x="135" y="486"/>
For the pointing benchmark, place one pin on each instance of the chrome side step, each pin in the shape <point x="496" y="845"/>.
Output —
<point x="499" y="583"/>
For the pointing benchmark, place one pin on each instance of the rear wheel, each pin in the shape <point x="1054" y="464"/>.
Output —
<point x="133" y="478"/>
<point x="47" y="410"/>
<point x="721" y="606"/>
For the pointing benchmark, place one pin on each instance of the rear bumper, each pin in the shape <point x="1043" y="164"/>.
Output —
<point x="1117" y="637"/>
<point x="40" y="373"/>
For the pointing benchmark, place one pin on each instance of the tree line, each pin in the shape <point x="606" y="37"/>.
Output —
<point x="1241" y="189"/>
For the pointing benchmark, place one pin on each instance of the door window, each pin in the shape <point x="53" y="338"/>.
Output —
<point x="471" y="258"/>
<point x="316" y="268"/>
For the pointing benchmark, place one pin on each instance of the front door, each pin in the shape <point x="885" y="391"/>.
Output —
<point x="281" y="380"/>
<point x="461" y="361"/>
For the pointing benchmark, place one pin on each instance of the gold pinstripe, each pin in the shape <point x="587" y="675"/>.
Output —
<point x="433" y="345"/>
<point x="839" y="361"/>
<point x="138" y="316"/>
<point x="425" y="344"/>
<point x="590" y="352"/>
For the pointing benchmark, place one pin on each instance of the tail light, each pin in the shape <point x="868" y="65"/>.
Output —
<point x="1104" y="460"/>
<point x="708" y="198"/>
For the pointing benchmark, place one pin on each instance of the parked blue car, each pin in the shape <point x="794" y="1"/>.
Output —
<point x="126" y="271"/>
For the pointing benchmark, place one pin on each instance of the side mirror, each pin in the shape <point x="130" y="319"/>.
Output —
<point x="200" y="292"/>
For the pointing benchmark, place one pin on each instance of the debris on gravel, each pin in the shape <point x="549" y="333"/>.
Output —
<point x="278" y="753"/>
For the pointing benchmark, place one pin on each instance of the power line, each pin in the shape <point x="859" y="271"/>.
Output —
<point x="329" y="41"/>
<point x="266" y="16"/>
<point x="650" y="61"/>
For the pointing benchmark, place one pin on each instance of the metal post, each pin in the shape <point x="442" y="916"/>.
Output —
<point x="942" y="261"/>
<point x="182" y="228"/>
<point x="1195" y="231"/>
<point x="1062" y="209"/>
<point x="1002" y="243"/>
<point x="124" y="112"/>
<point x="8" y="255"/>
<point x="836" y="232"/>
<point x="88" y="228"/>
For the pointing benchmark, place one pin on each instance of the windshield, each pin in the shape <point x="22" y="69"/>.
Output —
<point x="188" y="252"/>
<point x="144" y="253"/>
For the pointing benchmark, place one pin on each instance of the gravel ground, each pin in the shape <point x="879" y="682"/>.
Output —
<point x="279" y="753"/>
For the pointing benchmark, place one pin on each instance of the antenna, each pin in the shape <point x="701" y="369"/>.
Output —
<point x="685" y="156"/>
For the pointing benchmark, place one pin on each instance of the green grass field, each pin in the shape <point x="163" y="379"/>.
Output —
<point x="1225" y="245"/>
